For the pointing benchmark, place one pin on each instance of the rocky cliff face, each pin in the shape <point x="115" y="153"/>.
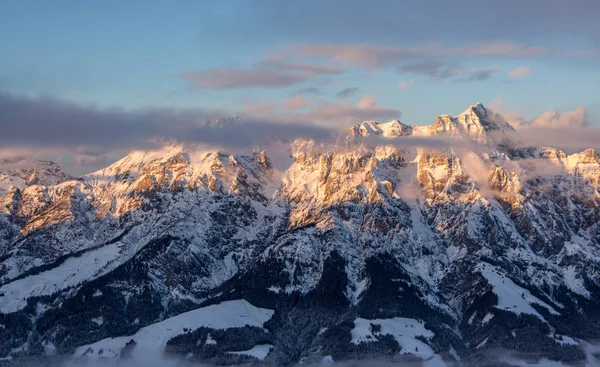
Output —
<point x="435" y="256"/>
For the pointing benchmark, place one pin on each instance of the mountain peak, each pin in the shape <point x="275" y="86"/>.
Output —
<point x="388" y="129"/>
<point x="477" y="108"/>
<point x="479" y="122"/>
<point x="23" y="171"/>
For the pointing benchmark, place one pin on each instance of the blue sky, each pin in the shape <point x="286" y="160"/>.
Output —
<point x="254" y="56"/>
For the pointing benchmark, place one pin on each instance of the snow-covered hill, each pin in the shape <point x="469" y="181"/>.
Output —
<point x="429" y="254"/>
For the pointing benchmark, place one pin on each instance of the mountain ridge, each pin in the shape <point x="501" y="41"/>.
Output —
<point x="475" y="251"/>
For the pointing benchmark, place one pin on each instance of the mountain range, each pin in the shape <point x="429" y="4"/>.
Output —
<point x="443" y="245"/>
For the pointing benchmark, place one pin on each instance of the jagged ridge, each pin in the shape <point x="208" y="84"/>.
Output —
<point x="477" y="251"/>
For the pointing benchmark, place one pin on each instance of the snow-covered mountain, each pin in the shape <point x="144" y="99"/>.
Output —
<point x="438" y="256"/>
<point x="20" y="172"/>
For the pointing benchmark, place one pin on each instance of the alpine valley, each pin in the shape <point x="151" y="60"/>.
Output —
<point x="481" y="252"/>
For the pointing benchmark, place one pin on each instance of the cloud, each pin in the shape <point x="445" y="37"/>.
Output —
<point x="569" y="139"/>
<point x="377" y="56"/>
<point x="575" y="118"/>
<point x="514" y="117"/>
<point x="51" y="125"/>
<point x="502" y="49"/>
<point x="309" y="90"/>
<point x="259" y="109"/>
<point x="334" y="115"/>
<point x="585" y="53"/>
<point x="347" y="92"/>
<point x="82" y="163"/>
<point x="265" y="74"/>
<point x="367" y="101"/>
<point x="405" y="84"/>
<point x="296" y="103"/>
<point x="343" y="115"/>
<point x="480" y="74"/>
<point x="232" y="78"/>
<point x="438" y="70"/>
<point x="519" y="72"/>
<point x="432" y="69"/>
<point x="313" y="69"/>
<point x="90" y="135"/>
<point x="571" y="131"/>
<point x="462" y="21"/>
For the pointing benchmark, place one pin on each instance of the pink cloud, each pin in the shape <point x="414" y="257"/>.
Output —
<point x="315" y="69"/>
<point x="336" y="114"/>
<point x="519" y="72"/>
<point x="367" y="101"/>
<point x="266" y="74"/>
<point x="259" y="109"/>
<point x="405" y="84"/>
<point x="576" y="118"/>
<point x="375" y="56"/>
<point x="232" y="78"/>
<point x="296" y="103"/>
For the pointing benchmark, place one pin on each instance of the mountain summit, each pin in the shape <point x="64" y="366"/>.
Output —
<point x="476" y="123"/>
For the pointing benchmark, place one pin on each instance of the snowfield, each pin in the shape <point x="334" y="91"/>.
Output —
<point x="260" y="351"/>
<point x="72" y="272"/>
<point x="404" y="330"/>
<point x="511" y="297"/>
<point x="151" y="340"/>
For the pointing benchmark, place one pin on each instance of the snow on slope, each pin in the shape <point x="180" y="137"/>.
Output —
<point x="260" y="351"/>
<point x="511" y="297"/>
<point x="151" y="340"/>
<point x="404" y="330"/>
<point x="72" y="272"/>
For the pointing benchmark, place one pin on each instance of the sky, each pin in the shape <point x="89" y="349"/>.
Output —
<point x="330" y="63"/>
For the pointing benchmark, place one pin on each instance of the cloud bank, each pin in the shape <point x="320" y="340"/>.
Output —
<point x="265" y="74"/>
<point x="89" y="135"/>
<point x="55" y="125"/>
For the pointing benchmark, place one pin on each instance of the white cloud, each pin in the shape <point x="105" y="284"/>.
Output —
<point x="575" y="118"/>
<point x="367" y="101"/>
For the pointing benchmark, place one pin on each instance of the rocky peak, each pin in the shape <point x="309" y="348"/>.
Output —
<point x="33" y="179"/>
<point x="552" y="153"/>
<point x="26" y="171"/>
<point x="476" y="123"/>
<point x="389" y="129"/>
<point x="589" y="156"/>
<point x="443" y="123"/>
<point x="482" y="124"/>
